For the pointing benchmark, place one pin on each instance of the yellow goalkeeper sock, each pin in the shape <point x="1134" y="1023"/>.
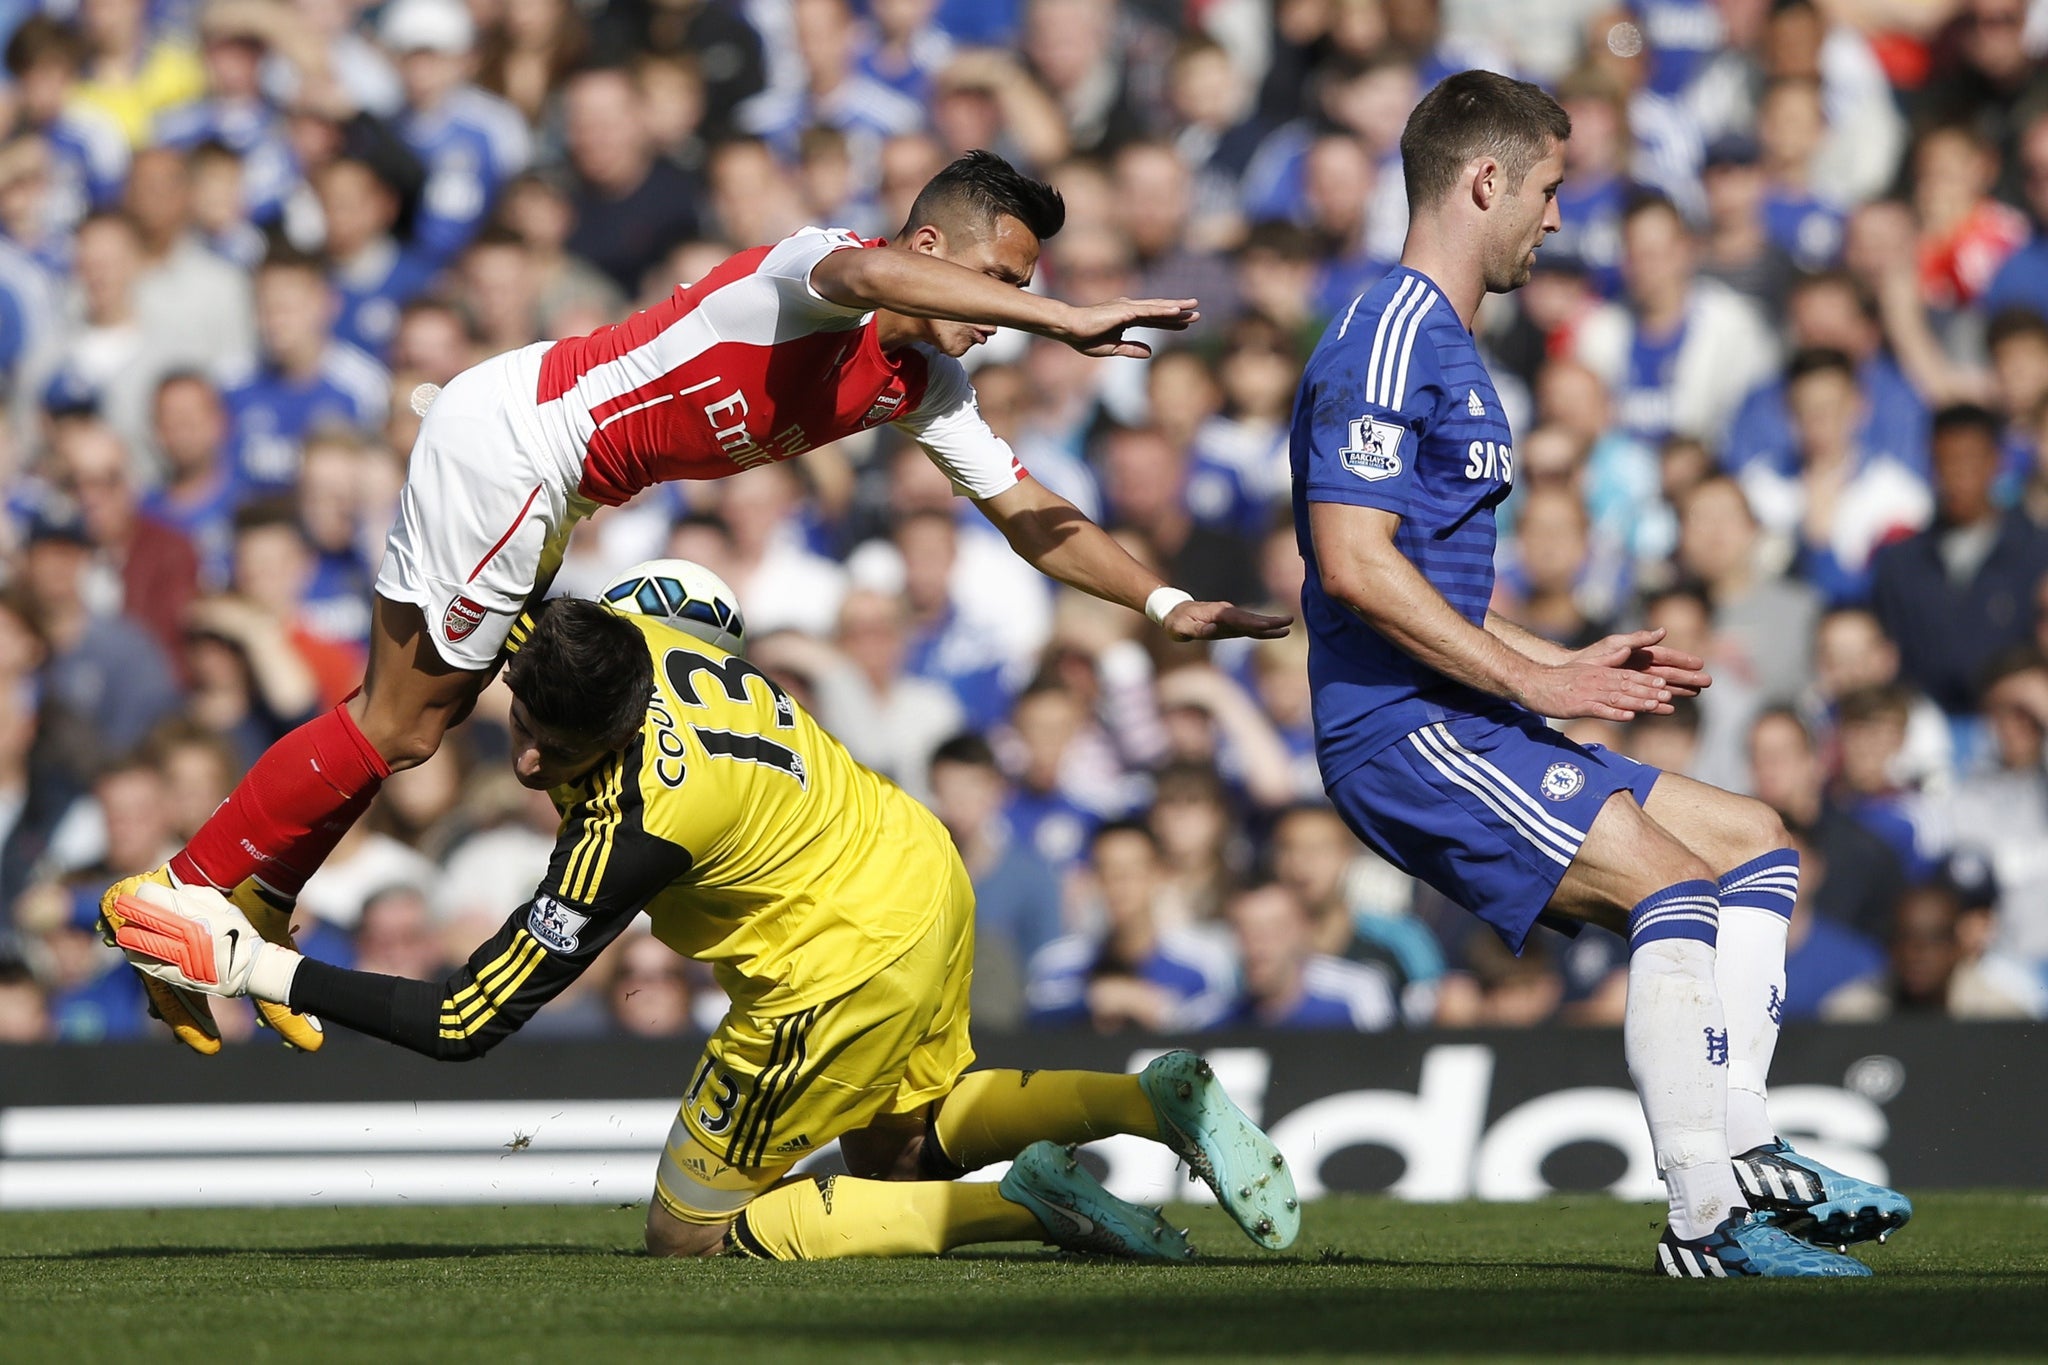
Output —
<point x="993" y="1115"/>
<point x="838" y="1216"/>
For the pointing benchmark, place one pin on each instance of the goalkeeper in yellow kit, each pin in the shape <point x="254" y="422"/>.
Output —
<point x="837" y="915"/>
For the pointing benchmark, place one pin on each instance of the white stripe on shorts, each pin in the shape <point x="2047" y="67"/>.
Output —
<point x="1548" y="847"/>
<point x="1558" y="841"/>
<point x="1571" y="833"/>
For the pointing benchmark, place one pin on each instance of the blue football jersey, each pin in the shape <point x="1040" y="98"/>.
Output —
<point x="471" y="145"/>
<point x="1396" y="412"/>
<point x="270" y="413"/>
<point x="254" y="131"/>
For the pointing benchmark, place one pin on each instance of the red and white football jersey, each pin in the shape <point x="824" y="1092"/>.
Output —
<point x="751" y="365"/>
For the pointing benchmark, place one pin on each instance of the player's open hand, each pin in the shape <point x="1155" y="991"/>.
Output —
<point x="1683" y="674"/>
<point x="1599" y="689"/>
<point x="1222" y="621"/>
<point x="1098" y="329"/>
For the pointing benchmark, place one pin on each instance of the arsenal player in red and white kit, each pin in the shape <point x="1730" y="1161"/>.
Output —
<point x="778" y="350"/>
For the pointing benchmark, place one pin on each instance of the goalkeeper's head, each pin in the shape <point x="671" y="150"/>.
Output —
<point x="580" y="686"/>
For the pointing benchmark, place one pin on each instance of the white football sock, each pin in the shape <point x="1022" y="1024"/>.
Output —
<point x="1677" y="1049"/>
<point x="1756" y="915"/>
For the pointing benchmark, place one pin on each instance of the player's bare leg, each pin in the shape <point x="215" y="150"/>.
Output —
<point x="287" y="814"/>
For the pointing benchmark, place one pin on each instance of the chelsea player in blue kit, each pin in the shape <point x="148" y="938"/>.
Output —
<point x="1429" y="710"/>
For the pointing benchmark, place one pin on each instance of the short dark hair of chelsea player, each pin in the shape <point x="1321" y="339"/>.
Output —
<point x="836" y="914"/>
<point x="1430" y="709"/>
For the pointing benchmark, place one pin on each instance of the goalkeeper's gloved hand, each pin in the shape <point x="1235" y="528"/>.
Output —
<point x="194" y="937"/>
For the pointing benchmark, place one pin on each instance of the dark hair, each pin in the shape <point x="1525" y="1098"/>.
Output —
<point x="1642" y="201"/>
<point x="584" y="670"/>
<point x="1812" y="360"/>
<point x="2010" y="663"/>
<point x="1684" y="589"/>
<point x="1777" y="83"/>
<point x="1278" y="237"/>
<point x="1112" y="828"/>
<point x="967" y="749"/>
<point x="1477" y="113"/>
<point x="1790" y="715"/>
<point x="1684" y="717"/>
<point x="1837" y="278"/>
<point x="40" y="39"/>
<point x="981" y="187"/>
<point x="1190" y="780"/>
<point x="496" y="234"/>
<point x="282" y="255"/>
<point x="265" y="513"/>
<point x="1879" y="701"/>
<point x="2013" y="322"/>
<point x="213" y="149"/>
<point x="1966" y="417"/>
<point x="188" y="376"/>
<point x="702" y="521"/>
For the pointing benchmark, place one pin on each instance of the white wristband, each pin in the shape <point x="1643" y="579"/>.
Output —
<point x="270" y="977"/>
<point x="1163" y="600"/>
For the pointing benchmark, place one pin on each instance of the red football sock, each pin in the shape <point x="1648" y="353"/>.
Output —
<point x="291" y="810"/>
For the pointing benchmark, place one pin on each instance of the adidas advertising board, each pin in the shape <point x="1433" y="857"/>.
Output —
<point x="1423" y="1116"/>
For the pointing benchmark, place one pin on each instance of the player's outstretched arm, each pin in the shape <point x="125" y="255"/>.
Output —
<point x="921" y="286"/>
<point x="1057" y="538"/>
<point x="1362" y="568"/>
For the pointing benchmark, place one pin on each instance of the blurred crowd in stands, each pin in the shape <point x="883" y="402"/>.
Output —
<point x="1780" y="388"/>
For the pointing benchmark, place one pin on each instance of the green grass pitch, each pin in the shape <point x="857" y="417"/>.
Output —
<point x="1969" y="1278"/>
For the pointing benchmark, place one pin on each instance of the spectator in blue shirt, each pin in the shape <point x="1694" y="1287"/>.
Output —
<point x="1134" y="973"/>
<point x="235" y="113"/>
<point x="88" y="154"/>
<point x="835" y="91"/>
<point x="1831" y="310"/>
<point x="198" y="495"/>
<point x="1287" y="984"/>
<point x="102" y="668"/>
<point x="903" y="49"/>
<point x="1791" y="125"/>
<point x="1596" y="184"/>
<point x="1040" y="812"/>
<point x="373" y="276"/>
<point x="304" y="379"/>
<point x="1016" y="894"/>
<point x="29" y="316"/>
<point x="470" y="142"/>
<point x="2023" y="280"/>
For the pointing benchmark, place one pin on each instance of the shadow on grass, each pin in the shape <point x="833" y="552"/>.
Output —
<point x="1631" y="1313"/>
<point x="354" y="1251"/>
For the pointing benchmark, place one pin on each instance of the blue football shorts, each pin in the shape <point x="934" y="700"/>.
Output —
<point x="1489" y="810"/>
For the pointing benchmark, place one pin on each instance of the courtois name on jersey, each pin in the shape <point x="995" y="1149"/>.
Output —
<point x="1396" y="412"/>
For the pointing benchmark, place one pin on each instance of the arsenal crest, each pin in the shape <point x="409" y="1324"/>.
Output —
<point x="462" y="617"/>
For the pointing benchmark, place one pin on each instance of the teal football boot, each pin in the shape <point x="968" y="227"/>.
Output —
<point x="1223" y="1148"/>
<point x="1079" y="1215"/>
<point x="1816" y="1202"/>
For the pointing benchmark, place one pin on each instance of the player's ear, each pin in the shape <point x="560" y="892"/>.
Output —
<point x="928" y="239"/>
<point x="1485" y="182"/>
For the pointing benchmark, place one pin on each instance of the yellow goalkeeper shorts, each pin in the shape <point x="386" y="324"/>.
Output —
<point x="768" y="1092"/>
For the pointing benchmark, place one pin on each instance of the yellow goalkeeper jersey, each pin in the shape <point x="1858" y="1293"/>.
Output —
<point x="751" y="838"/>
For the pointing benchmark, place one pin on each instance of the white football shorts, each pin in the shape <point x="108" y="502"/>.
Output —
<point x="485" y="513"/>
